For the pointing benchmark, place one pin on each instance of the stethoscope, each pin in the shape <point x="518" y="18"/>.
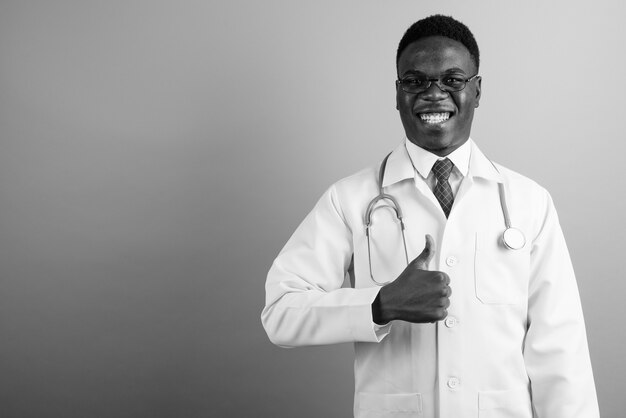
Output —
<point x="512" y="238"/>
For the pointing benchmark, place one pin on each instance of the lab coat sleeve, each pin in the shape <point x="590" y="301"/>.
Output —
<point x="305" y="302"/>
<point x="555" y="350"/>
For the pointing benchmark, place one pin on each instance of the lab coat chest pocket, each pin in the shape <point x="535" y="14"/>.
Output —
<point x="513" y="403"/>
<point x="500" y="274"/>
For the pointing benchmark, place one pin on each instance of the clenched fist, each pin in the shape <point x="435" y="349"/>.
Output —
<point x="417" y="295"/>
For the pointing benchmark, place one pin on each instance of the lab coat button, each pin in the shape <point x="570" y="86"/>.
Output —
<point x="452" y="261"/>
<point x="453" y="383"/>
<point x="450" y="321"/>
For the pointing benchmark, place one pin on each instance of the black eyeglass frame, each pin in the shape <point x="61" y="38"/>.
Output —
<point x="438" y="83"/>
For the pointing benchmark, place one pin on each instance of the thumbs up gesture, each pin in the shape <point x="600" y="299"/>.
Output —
<point x="417" y="295"/>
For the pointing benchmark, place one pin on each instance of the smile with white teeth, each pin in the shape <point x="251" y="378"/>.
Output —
<point x="434" y="118"/>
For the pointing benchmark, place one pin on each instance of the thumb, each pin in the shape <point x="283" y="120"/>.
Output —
<point x="422" y="260"/>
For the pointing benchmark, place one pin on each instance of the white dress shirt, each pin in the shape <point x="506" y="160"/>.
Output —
<point x="424" y="160"/>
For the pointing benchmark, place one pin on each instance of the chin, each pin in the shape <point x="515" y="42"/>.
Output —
<point x="433" y="143"/>
<point x="438" y="146"/>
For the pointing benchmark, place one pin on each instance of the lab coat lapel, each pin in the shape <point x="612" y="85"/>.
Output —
<point x="399" y="168"/>
<point x="479" y="167"/>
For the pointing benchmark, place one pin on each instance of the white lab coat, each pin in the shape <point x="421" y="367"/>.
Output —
<point x="514" y="342"/>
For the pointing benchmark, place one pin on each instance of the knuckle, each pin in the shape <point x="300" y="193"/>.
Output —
<point x="441" y="313"/>
<point x="441" y="277"/>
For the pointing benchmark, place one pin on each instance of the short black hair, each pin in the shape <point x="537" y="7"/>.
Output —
<point x="439" y="25"/>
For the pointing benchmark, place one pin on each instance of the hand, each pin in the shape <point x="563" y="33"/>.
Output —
<point x="417" y="295"/>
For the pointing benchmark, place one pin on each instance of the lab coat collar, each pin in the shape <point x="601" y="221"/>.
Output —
<point x="483" y="167"/>
<point x="399" y="166"/>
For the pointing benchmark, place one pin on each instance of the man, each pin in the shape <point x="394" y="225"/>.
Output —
<point x="477" y="324"/>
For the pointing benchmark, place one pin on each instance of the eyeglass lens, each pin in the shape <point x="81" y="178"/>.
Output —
<point x="420" y="84"/>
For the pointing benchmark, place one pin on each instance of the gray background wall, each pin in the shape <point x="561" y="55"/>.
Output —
<point x="155" y="156"/>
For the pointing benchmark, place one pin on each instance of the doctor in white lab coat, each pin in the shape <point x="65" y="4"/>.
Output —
<point x="469" y="328"/>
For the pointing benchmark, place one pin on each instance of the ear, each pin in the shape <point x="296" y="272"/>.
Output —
<point x="397" y="87"/>
<point x="478" y="91"/>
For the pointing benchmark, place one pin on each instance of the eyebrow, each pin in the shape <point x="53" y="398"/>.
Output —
<point x="446" y="71"/>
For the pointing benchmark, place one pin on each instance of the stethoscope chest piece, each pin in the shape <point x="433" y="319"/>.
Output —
<point x="513" y="239"/>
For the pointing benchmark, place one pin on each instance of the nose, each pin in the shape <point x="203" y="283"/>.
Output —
<point x="434" y="91"/>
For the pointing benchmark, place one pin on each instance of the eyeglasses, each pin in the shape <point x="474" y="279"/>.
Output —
<point x="447" y="83"/>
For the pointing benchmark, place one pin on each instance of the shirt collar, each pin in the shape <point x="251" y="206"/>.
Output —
<point x="400" y="167"/>
<point x="424" y="160"/>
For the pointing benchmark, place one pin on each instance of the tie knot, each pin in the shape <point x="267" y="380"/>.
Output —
<point x="442" y="169"/>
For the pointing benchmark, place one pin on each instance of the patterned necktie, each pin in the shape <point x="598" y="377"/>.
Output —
<point x="443" y="191"/>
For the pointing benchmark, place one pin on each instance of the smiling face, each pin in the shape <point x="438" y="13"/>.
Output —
<point x="435" y="120"/>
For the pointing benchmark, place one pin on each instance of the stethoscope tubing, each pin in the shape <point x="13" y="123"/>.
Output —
<point x="512" y="238"/>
